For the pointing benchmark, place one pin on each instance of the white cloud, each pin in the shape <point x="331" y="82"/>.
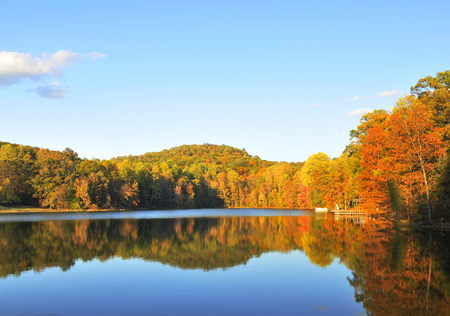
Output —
<point x="359" y="112"/>
<point x="55" y="90"/>
<point x="15" y="66"/>
<point x="384" y="94"/>
<point x="316" y="105"/>
<point x="95" y="55"/>
<point x="62" y="58"/>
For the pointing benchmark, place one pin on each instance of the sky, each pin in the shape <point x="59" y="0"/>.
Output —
<point x="283" y="79"/>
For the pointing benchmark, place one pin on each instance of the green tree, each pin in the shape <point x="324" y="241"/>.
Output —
<point x="16" y="172"/>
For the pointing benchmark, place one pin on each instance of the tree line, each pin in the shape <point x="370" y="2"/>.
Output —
<point x="396" y="165"/>
<point x="403" y="154"/>
<point x="189" y="176"/>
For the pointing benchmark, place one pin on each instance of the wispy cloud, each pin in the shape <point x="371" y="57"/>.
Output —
<point x="16" y="67"/>
<point x="384" y="94"/>
<point x="95" y="55"/>
<point x="55" y="90"/>
<point x="359" y="112"/>
<point x="316" y="105"/>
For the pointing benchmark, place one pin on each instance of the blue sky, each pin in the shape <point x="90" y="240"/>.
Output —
<point x="282" y="79"/>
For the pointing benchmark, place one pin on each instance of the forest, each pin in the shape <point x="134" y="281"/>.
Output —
<point x="396" y="166"/>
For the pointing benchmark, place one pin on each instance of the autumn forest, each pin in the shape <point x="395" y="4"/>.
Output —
<point x="395" y="166"/>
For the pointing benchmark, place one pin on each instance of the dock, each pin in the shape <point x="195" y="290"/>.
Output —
<point x="346" y="212"/>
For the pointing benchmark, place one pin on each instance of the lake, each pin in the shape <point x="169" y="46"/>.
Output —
<point x="219" y="262"/>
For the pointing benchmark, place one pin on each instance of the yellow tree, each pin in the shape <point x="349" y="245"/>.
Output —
<point x="316" y="174"/>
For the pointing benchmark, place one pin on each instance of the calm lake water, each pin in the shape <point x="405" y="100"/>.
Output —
<point x="218" y="262"/>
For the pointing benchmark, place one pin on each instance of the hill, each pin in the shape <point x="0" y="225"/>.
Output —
<point x="188" y="176"/>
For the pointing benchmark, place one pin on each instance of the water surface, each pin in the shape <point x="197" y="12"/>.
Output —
<point x="52" y="216"/>
<point x="218" y="262"/>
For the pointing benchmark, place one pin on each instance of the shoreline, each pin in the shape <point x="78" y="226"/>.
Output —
<point x="401" y="224"/>
<point x="404" y="224"/>
<point x="28" y="210"/>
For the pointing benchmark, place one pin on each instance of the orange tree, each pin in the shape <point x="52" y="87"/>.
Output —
<point x="416" y="148"/>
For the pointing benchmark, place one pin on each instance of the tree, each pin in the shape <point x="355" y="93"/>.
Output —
<point x="344" y="174"/>
<point x="16" y="171"/>
<point x="434" y="92"/>
<point x="7" y="194"/>
<point x="416" y="144"/>
<point x="129" y="195"/>
<point x="56" y="174"/>
<point x="316" y="174"/>
<point x="374" y="175"/>
<point x="399" y="155"/>
<point x="223" y="188"/>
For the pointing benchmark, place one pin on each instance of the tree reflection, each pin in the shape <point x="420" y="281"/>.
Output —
<point x="394" y="272"/>
<point x="184" y="242"/>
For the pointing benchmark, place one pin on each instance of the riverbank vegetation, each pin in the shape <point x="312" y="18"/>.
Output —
<point x="396" y="166"/>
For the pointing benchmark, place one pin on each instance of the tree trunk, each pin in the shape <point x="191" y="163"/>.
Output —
<point x="425" y="180"/>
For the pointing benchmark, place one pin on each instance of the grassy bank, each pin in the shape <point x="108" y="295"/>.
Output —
<point x="31" y="209"/>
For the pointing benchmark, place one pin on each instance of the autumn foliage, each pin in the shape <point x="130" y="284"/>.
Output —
<point x="396" y="166"/>
<point x="401" y="157"/>
<point x="178" y="178"/>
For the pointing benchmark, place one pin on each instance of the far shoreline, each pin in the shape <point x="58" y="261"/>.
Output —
<point x="402" y="224"/>
<point x="36" y="209"/>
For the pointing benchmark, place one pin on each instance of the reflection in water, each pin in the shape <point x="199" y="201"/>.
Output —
<point x="190" y="243"/>
<point x="393" y="272"/>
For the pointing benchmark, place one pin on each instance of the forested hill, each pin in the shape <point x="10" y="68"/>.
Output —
<point x="187" y="155"/>
<point x="188" y="176"/>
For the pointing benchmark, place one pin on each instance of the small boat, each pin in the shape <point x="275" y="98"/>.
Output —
<point x="321" y="209"/>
